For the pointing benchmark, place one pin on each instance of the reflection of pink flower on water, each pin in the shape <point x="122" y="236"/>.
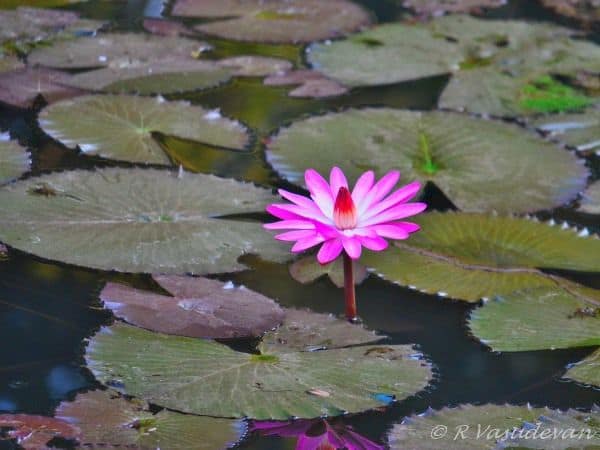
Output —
<point x="316" y="434"/>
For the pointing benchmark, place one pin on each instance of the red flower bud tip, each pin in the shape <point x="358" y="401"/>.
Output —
<point x="344" y="210"/>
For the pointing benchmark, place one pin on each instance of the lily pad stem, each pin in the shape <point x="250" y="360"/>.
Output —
<point x="349" y="292"/>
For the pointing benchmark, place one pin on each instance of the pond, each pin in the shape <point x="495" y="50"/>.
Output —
<point x="52" y="274"/>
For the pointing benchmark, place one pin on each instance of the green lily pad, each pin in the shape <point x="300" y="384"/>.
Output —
<point x="205" y="377"/>
<point x="116" y="50"/>
<point x="573" y="430"/>
<point x="304" y="330"/>
<point x="578" y="131"/>
<point x="469" y="159"/>
<point x="474" y="256"/>
<point x="161" y="76"/>
<point x="9" y="63"/>
<point x="546" y="95"/>
<point x="586" y="371"/>
<point x="121" y="126"/>
<point x="34" y="432"/>
<point x="436" y="8"/>
<point x="24" y="88"/>
<point x="590" y="199"/>
<point x="14" y="159"/>
<point x="307" y="269"/>
<point x="493" y="63"/>
<point x="469" y="427"/>
<point x="137" y="220"/>
<point x="539" y="319"/>
<point x="276" y="21"/>
<point x="197" y="307"/>
<point x="108" y="420"/>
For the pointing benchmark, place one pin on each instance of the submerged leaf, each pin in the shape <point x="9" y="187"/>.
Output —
<point x="205" y="377"/>
<point x="586" y="371"/>
<point x="116" y="50"/>
<point x="275" y="21"/>
<point x="590" y="199"/>
<point x="22" y="88"/>
<point x="108" y="420"/>
<point x="312" y="84"/>
<point x="469" y="159"/>
<point x="307" y="269"/>
<point x="492" y="62"/>
<point x="14" y="159"/>
<point x="474" y="256"/>
<point x="539" y="319"/>
<point x="136" y="220"/>
<point x="121" y="126"/>
<point x="255" y="66"/>
<point x="198" y="307"/>
<point x="34" y="432"/>
<point x="304" y="330"/>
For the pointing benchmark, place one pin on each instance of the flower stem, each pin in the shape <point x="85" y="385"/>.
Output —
<point x="349" y="292"/>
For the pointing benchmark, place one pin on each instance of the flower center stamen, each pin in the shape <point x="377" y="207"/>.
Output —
<point x="344" y="210"/>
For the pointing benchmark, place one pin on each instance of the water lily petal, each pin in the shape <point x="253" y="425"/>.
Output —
<point x="310" y="442"/>
<point x="337" y="179"/>
<point x="306" y="243"/>
<point x="391" y="231"/>
<point x="373" y="243"/>
<point x="295" y="235"/>
<point x="301" y="212"/>
<point x="380" y="190"/>
<point x="402" y="195"/>
<point x="291" y="224"/>
<point x="395" y="213"/>
<point x="352" y="246"/>
<point x="410" y="227"/>
<point x="320" y="191"/>
<point x="280" y="213"/>
<point x="362" y="187"/>
<point x="299" y="200"/>
<point x="329" y="251"/>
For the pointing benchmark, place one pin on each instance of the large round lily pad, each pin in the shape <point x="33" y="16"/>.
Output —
<point x="304" y="330"/>
<point x="495" y="64"/>
<point x="205" y="377"/>
<point x="121" y="126"/>
<point x="586" y="371"/>
<point x="14" y="159"/>
<point x="117" y="50"/>
<point x="275" y="20"/>
<point x="198" y="307"/>
<point x="161" y="76"/>
<point x="474" y="256"/>
<point x="590" y="199"/>
<point x="137" y="220"/>
<point x="469" y="159"/>
<point x="539" y="319"/>
<point x="469" y="427"/>
<point x="107" y="420"/>
<point x="578" y="131"/>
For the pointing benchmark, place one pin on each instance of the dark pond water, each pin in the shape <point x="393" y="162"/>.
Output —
<point x="47" y="309"/>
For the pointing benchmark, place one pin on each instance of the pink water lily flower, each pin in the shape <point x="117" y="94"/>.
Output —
<point x="341" y="220"/>
<point x="344" y="222"/>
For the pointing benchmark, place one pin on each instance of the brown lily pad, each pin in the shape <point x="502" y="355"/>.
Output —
<point x="33" y="23"/>
<point x="295" y="21"/>
<point x="22" y="88"/>
<point x="34" y="432"/>
<point x="436" y="8"/>
<point x="255" y="66"/>
<point x="199" y="307"/>
<point x="585" y="11"/>
<point x="312" y="84"/>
